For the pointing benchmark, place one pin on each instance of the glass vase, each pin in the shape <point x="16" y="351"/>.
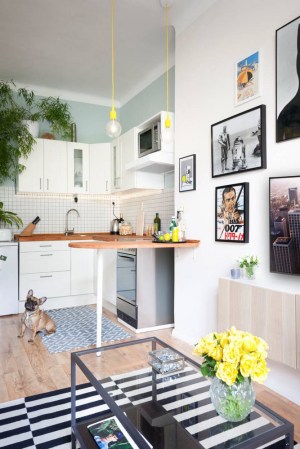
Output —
<point x="234" y="402"/>
<point x="250" y="272"/>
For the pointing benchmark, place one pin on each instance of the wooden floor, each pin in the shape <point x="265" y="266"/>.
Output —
<point x="27" y="368"/>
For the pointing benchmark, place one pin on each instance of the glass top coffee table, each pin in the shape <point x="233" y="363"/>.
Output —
<point x="146" y="409"/>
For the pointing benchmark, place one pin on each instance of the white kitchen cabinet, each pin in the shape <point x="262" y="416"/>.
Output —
<point x="78" y="167"/>
<point x="83" y="263"/>
<point x="132" y="179"/>
<point x="100" y="168"/>
<point x="116" y="160"/>
<point x="46" y="168"/>
<point x="110" y="276"/>
<point x="44" y="268"/>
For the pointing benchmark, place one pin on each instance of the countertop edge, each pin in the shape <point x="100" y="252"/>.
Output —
<point x="133" y="244"/>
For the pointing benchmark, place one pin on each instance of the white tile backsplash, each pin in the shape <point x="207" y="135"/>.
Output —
<point x="96" y="211"/>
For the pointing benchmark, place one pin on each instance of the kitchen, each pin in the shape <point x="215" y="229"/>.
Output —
<point x="196" y="279"/>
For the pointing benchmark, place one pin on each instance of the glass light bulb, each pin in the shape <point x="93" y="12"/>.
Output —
<point x="167" y="135"/>
<point x="113" y="128"/>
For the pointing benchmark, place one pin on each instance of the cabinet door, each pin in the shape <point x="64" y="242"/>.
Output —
<point x="127" y="147"/>
<point x="31" y="180"/>
<point x="78" y="167"/>
<point x="55" y="166"/>
<point x="116" y="165"/>
<point x="100" y="168"/>
<point x="82" y="271"/>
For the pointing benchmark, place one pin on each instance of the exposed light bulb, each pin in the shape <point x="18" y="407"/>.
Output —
<point x="113" y="127"/>
<point x="167" y="134"/>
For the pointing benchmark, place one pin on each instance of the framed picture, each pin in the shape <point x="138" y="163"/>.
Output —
<point x="284" y="224"/>
<point x="238" y="143"/>
<point x="187" y="173"/>
<point x="287" y="81"/>
<point x="247" y="78"/>
<point x="232" y="213"/>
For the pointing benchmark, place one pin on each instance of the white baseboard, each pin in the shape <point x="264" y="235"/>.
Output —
<point x="64" y="301"/>
<point x="109" y="306"/>
<point x="146" y="329"/>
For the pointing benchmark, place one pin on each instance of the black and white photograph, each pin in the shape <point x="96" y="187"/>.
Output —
<point x="287" y="81"/>
<point x="232" y="210"/>
<point x="284" y="195"/>
<point x="187" y="173"/>
<point x="238" y="143"/>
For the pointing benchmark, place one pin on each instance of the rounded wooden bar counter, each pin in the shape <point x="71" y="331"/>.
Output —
<point x="101" y="243"/>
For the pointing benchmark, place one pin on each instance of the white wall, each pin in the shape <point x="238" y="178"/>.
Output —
<point x="204" y="94"/>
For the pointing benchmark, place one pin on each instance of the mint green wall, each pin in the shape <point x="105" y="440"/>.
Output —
<point x="148" y="102"/>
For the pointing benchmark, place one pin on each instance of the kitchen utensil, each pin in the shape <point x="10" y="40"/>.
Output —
<point x="30" y="228"/>
<point x="114" y="227"/>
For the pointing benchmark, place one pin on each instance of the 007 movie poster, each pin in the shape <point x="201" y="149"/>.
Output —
<point x="232" y="206"/>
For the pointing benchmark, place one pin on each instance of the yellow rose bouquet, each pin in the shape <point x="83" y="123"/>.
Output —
<point x="232" y="356"/>
<point x="233" y="359"/>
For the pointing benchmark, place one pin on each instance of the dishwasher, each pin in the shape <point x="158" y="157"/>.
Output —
<point x="145" y="288"/>
<point x="9" y="278"/>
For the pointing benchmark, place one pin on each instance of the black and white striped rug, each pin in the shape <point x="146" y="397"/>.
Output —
<point x="43" y="421"/>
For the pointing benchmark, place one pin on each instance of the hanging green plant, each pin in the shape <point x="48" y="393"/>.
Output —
<point x="17" y="105"/>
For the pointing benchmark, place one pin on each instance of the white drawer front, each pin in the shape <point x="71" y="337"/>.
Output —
<point x="47" y="245"/>
<point x="42" y="284"/>
<point x="44" y="262"/>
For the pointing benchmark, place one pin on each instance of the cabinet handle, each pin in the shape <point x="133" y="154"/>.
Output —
<point x="46" y="276"/>
<point x="40" y="183"/>
<point x="47" y="184"/>
<point x="44" y="255"/>
<point x="45" y="246"/>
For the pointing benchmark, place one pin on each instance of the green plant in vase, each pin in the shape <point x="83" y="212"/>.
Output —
<point x="249" y="264"/>
<point x="7" y="220"/>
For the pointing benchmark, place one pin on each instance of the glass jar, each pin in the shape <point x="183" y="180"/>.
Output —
<point x="250" y="272"/>
<point x="232" y="402"/>
<point x="125" y="228"/>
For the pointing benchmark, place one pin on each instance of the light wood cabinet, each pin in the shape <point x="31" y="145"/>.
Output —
<point x="267" y="313"/>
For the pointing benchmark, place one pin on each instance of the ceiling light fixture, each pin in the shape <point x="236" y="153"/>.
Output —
<point x="167" y="134"/>
<point x="113" y="127"/>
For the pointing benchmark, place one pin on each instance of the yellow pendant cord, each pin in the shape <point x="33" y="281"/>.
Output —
<point x="167" y="121"/>
<point x="113" y="114"/>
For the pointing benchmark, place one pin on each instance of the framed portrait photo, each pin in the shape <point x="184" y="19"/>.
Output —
<point x="238" y="143"/>
<point x="287" y="81"/>
<point x="187" y="173"/>
<point x="232" y="213"/>
<point x="247" y="78"/>
<point x="284" y="201"/>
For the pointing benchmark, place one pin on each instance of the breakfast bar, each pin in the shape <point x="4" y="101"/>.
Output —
<point x="100" y="243"/>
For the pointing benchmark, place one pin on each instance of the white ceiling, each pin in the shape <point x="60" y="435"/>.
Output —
<point x="63" y="47"/>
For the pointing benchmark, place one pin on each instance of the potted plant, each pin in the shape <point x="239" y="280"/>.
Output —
<point x="16" y="107"/>
<point x="8" y="218"/>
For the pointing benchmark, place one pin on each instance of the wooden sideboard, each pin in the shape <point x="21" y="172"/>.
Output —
<point x="270" y="314"/>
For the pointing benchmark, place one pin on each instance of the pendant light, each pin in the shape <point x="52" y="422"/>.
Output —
<point x="113" y="127"/>
<point x="167" y="134"/>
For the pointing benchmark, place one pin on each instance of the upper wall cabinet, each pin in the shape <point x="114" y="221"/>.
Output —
<point x="100" y="173"/>
<point x="116" y="161"/>
<point x="46" y="168"/>
<point x="78" y="167"/>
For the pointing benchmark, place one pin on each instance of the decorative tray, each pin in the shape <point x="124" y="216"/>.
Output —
<point x="167" y="241"/>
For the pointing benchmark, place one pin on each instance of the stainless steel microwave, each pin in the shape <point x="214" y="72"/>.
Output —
<point x="149" y="139"/>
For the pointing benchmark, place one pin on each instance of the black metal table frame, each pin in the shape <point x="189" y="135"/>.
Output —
<point x="287" y="429"/>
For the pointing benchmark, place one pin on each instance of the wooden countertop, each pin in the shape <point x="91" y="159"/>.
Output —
<point x="132" y="243"/>
<point x="104" y="240"/>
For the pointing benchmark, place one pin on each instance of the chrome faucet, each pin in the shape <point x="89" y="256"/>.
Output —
<point x="67" y="230"/>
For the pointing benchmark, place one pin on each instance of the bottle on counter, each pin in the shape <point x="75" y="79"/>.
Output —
<point x="172" y="225"/>
<point x="157" y="223"/>
<point x="181" y="225"/>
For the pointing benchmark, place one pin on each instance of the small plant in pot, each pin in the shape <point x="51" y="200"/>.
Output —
<point x="8" y="219"/>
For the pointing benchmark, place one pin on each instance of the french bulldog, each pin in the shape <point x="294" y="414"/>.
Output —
<point x="35" y="319"/>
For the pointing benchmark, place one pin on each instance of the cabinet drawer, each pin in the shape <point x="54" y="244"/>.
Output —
<point x="47" y="245"/>
<point x="42" y="284"/>
<point x="44" y="262"/>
